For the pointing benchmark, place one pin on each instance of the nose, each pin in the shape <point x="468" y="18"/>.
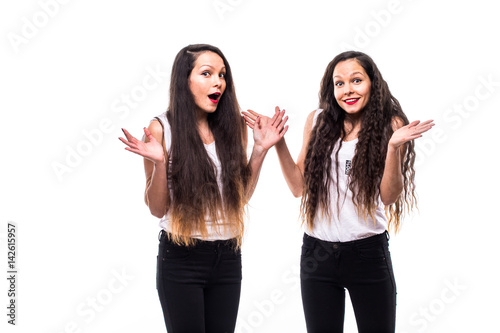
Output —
<point x="217" y="81"/>
<point x="348" y="88"/>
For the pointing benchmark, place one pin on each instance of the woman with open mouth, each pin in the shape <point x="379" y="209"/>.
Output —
<point x="198" y="181"/>
<point x="355" y="165"/>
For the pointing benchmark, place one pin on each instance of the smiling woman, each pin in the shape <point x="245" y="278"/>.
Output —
<point x="356" y="178"/>
<point x="198" y="181"/>
<point x="352" y="87"/>
<point x="362" y="125"/>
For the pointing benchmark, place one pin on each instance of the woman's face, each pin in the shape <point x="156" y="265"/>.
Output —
<point x="207" y="81"/>
<point x="351" y="86"/>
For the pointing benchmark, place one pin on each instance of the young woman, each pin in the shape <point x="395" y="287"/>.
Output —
<point x="356" y="178"/>
<point x="198" y="181"/>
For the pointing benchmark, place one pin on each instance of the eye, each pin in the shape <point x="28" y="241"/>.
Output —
<point x="357" y="80"/>
<point x="205" y="73"/>
<point x="338" y="83"/>
<point x="222" y="75"/>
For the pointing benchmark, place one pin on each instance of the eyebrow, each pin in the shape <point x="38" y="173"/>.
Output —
<point x="223" y="67"/>
<point x="352" y="74"/>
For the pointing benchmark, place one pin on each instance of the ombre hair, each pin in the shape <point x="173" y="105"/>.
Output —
<point x="196" y="196"/>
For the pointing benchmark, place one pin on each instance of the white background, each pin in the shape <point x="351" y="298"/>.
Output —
<point x="68" y="67"/>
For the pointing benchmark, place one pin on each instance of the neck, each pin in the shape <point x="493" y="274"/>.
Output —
<point x="354" y="119"/>
<point x="201" y="117"/>
<point x="203" y="128"/>
<point x="352" y="125"/>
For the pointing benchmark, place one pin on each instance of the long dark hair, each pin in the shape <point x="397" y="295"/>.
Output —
<point x="369" y="159"/>
<point x="196" y="195"/>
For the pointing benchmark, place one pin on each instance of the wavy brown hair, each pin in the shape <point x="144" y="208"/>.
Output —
<point x="195" y="191"/>
<point x="368" y="163"/>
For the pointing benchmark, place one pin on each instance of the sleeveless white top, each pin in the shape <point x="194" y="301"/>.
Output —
<point x="216" y="231"/>
<point x="345" y="224"/>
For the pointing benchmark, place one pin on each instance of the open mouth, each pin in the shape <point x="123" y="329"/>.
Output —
<point x="351" y="101"/>
<point x="214" y="98"/>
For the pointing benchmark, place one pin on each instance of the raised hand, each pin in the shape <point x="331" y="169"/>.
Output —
<point x="251" y="116"/>
<point x="151" y="150"/>
<point x="267" y="131"/>
<point x="410" y="132"/>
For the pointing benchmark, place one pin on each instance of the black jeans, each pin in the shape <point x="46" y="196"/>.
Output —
<point x="199" y="286"/>
<point x="364" y="268"/>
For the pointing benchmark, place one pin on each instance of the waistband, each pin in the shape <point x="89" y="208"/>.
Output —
<point x="203" y="244"/>
<point x="383" y="237"/>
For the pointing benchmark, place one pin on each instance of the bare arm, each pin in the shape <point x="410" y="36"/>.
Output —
<point x="156" y="196"/>
<point x="292" y="171"/>
<point x="265" y="134"/>
<point x="392" y="179"/>
<point x="255" y="163"/>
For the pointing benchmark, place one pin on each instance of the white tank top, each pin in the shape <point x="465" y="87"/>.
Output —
<point x="345" y="225"/>
<point x="215" y="230"/>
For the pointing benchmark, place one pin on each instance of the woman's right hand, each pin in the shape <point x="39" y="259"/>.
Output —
<point x="151" y="149"/>
<point x="266" y="131"/>
<point x="251" y="117"/>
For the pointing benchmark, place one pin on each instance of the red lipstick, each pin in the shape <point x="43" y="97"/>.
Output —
<point x="351" y="101"/>
<point x="214" y="98"/>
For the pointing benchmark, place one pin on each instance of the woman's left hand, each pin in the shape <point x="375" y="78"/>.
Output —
<point x="412" y="131"/>
<point x="267" y="131"/>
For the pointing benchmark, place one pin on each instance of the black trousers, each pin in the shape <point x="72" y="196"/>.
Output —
<point x="199" y="286"/>
<point x="364" y="268"/>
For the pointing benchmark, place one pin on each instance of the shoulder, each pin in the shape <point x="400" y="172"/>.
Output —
<point x="312" y="115"/>
<point x="310" y="121"/>
<point x="156" y="129"/>
<point x="311" y="118"/>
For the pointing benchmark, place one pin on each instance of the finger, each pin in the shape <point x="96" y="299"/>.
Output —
<point x="128" y="143"/>
<point x="249" y="122"/>
<point x="150" y="136"/>
<point x="248" y="115"/>
<point x="285" y="120"/>
<point x="413" y="123"/>
<point x="278" y="116"/>
<point x="137" y="152"/>
<point x="282" y="133"/>
<point x="282" y="123"/>
<point x="257" y="122"/>
<point x="275" y="116"/>
<point x="424" y="127"/>
<point x="414" y="137"/>
<point x="253" y="114"/>
<point x="423" y="130"/>
<point x="129" y="136"/>
<point x="427" y="124"/>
